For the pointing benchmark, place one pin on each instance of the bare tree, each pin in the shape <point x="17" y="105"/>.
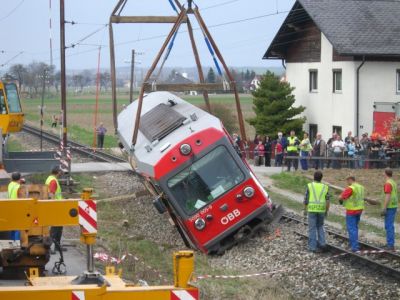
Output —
<point x="56" y="81"/>
<point x="20" y="72"/>
<point x="105" y="80"/>
<point x="78" y="81"/>
<point x="87" y="77"/>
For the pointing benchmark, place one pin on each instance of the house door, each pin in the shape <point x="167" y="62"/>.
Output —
<point x="337" y="129"/>
<point x="313" y="132"/>
<point x="382" y="122"/>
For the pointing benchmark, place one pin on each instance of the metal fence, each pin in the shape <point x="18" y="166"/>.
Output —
<point x="331" y="161"/>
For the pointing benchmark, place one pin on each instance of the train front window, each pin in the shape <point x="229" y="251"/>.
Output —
<point x="12" y="98"/>
<point x="205" y="180"/>
<point x="3" y="109"/>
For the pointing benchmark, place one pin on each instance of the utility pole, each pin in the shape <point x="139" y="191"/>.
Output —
<point x="132" y="76"/>
<point x="62" y="70"/>
<point x="133" y="62"/>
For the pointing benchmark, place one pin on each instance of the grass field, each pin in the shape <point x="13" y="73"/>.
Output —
<point x="80" y="113"/>
<point x="371" y="179"/>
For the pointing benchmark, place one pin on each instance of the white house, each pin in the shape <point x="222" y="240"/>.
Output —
<point x="255" y="82"/>
<point x="343" y="58"/>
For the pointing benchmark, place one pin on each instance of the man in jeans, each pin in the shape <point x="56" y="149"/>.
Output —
<point x="316" y="205"/>
<point x="389" y="208"/>
<point x="352" y="199"/>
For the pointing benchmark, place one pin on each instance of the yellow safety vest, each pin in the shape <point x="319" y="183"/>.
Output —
<point x="356" y="201"/>
<point x="305" y="146"/>
<point x="13" y="188"/>
<point x="393" y="195"/>
<point x="58" y="194"/>
<point x="317" y="197"/>
<point x="291" y="145"/>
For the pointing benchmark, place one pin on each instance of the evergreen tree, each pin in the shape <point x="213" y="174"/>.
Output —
<point x="211" y="76"/>
<point x="247" y="76"/>
<point x="252" y="74"/>
<point x="273" y="104"/>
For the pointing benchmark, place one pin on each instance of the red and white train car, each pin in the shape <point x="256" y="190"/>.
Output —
<point x="188" y="157"/>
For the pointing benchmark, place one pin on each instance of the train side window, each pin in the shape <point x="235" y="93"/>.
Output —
<point x="3" y="109"/>
<point x="14" y="105"/>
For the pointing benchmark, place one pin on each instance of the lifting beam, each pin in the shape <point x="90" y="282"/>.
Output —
<point x="182" y="17"/>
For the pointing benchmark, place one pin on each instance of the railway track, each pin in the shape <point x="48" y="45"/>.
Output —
<point x="378" y="259"/>
<point x="82" y="149"/>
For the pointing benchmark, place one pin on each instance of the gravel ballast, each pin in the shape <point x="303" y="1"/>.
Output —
<point x="304" y="275"/>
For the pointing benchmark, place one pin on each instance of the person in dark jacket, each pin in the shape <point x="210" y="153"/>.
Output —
<point x="267" y="151"/>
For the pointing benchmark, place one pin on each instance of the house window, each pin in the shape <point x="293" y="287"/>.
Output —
<point x="337" y="80"/>
<point x="398" y="81"/>
<point x="313" y="80"/>
<point x="313" y="132"/>
<point x="337" y="130"/>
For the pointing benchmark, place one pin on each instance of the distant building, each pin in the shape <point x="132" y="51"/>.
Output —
<point x="177" y="78"/>
<point x="255" y="82"/>
<point x="180" y="78"/>
<point x="343" y="58"/>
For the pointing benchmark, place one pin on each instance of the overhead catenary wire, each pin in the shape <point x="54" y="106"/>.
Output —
<point x="11" y="59"/>
<point x="87" y="36"/>
<point x="219" y="4"/>
<point x="95" y="46"/>
<point x="12" y="11"/>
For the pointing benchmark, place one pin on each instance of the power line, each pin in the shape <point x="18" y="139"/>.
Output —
<point x="12" y="11"/>
<point x="84" y="23"/>
<point x="88" y="36"/>
<point x="11" y="59"/>
<point x="220" y="4"/>
<point x="248" y="19"/>
<point x="164" y="35"/>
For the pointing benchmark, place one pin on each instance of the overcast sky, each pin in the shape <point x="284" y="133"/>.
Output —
<point x="25" y="27"/>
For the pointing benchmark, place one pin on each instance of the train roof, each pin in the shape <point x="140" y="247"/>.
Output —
<point x="166" y="120"/>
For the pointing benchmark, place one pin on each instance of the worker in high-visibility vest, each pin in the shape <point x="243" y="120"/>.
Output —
<point x="14" y="192"/>
<point x="54" y="190"/>
<point x="292" y="151"/>
<point x="316" y="207"/>
<point x="389" y="208"/>
<point x="353" y="198"/>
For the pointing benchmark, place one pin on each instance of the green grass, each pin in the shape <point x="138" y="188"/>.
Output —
<point x="13" y="145"/>
<point x="85" y="136"/>
<point x="81" y="107"/>
<point x="292" y="182"/>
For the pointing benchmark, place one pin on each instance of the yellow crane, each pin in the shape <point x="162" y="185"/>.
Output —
<point x="11" y="115"/>
<point x="27" y="214"/>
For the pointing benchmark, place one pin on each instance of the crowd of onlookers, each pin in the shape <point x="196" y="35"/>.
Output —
<point x="351" y="152"/>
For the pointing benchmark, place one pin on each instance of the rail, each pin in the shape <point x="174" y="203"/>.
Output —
<point x="75" y="146"/>
<point x="384" y="261"/>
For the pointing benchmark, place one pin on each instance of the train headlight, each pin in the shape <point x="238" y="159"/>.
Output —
<point x="185" y="149"/>
<point x="200" y="224"/>
<point x="249" y="192"/>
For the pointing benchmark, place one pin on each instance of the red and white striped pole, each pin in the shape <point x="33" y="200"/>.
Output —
<point x="88" y="222"/>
